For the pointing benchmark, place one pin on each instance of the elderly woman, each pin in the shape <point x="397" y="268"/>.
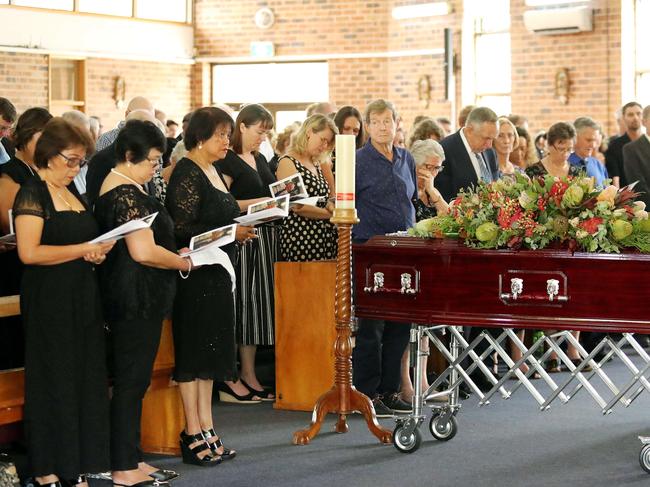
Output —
<point x="507" y="140"/>
<point x="66" y="395"/>
<point x="428" y="155"/>
<point x="204" y="310"/>
<point x="248" y="175"/>
<point x="427" y="128"/>
<point x="307" y="233"/>
<point x="560" y="140"/>
<point x="138" y="286"/>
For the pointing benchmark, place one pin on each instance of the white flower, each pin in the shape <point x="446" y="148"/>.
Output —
<point x="638" y="206"/>
<point x="641" y="215"/>
<point x="582" y="234"/>
<point x="574" y="222"/>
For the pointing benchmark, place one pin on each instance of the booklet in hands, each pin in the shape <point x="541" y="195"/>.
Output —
<point x="128" y="227"/>
<point x="292" y="186"/>
<point x="266" y="211"/>
<point x="217" y="237"/>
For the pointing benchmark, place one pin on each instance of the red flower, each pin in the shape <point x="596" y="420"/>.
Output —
<point x="591" y="224"/>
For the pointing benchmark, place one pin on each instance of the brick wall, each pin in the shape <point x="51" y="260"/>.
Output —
<point x="23" y="79"/>
<point x="594" y="63"/>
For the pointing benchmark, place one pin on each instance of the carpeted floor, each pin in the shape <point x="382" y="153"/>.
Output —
<point x="506" y="443"/>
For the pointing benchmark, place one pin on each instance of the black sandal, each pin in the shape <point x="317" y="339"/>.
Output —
<point x="163" y="475"/>
<point x="227" y="454"/>
<point x="191" y="454"/>
<point x="552" y="366"/>
<point x="80" y="479"/>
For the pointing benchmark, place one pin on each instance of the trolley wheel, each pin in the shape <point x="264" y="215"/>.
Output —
<point x="644" y="458"/>
<point x="443" y="430"/>
<point x="404" y="442"/>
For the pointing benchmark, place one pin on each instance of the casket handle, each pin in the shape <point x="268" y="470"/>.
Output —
<point x="405" y="280"/>
<point x="378" y="281"/>
<point x="516" y="288"/>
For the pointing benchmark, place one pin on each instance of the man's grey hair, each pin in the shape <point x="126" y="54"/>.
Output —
<point x="423" y="150"/>
<point x="379" y="106"/>
<point x="77" y="118"/>
<point x="582" y="123"/>
<point x="480" y="115"/>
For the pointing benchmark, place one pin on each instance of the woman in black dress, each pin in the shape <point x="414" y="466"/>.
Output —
<point x="16" y="172"/>
<point x="138" y="284"/>
<point x="66" y="394"/>
<point x="307" y="233"/>
<point x="248" y="176"/>
<point x="204" y="314"/>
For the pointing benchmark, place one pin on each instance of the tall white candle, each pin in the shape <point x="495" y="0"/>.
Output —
<point x="345" y="166"/>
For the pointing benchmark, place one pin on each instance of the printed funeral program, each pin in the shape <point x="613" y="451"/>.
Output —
<point x="219" y="237"/>
<point x="292" y="185"/>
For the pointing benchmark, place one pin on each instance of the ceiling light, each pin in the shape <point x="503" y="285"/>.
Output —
<point x="421" y="10"/>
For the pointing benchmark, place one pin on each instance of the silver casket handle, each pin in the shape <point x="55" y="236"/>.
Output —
<point x="552" y="288"/>
<point x="516" y="288"/>
<point x="405" y="280"/>
<point x="378" y="281"/>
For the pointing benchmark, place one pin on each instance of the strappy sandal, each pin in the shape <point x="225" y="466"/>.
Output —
<point x="191" y="453"/>
<point x="227" y="454"/>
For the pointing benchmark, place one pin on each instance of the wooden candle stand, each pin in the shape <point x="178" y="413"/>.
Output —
<point x="343" y="398"/>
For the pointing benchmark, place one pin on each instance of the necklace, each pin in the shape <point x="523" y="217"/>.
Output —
<point x="129" y="179"/>
<point x="58" y="193"/>
<point x="28" y="166"/>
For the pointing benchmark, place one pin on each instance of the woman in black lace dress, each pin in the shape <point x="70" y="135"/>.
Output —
<point x="307" y="233"/>
<point x="66" y="394"/>
<point x="138" y="284"/>
<point x="204" y="314"/>
<point x="248" y="176"/>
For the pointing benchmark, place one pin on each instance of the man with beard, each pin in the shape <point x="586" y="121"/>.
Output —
<point x="614" y="156"/>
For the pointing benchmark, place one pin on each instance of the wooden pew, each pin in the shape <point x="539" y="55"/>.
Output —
<point x="305" y="332"/>
<point x="162" y="410"/>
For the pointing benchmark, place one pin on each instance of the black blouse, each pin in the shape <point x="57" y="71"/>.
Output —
<point x="197" y="206"/>
<point x="18" y="170"/>
<point x="538" y="169"/>
<point x="131" y="290"/>
<point x="247" y="183"/>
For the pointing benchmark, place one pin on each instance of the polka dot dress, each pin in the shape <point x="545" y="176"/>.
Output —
<point x="305" y="239"/>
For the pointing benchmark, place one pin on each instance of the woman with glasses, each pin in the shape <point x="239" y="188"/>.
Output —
<point x="248" y="175"/>
<point x="560" y="140"/>
<point x="66" y="394"/>
<point x="138" y="284"/>
<point x="307" y="233"/>
<point x="428" y="155"/>
<point x="204" y="310"/>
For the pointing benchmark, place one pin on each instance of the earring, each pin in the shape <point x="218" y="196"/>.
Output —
<point x="200" y="146"/>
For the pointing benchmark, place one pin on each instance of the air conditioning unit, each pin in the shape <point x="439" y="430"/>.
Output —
<point x="555" y="21"/>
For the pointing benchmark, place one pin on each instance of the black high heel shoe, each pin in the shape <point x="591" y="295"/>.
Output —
<point x="227" y="454"/>
<point x="264" y="394"/>
<point x="191" y="454"/>
<point x="80" y="479"/>
<point x="35" y="483"/>
<point x="226" y="394"/>
<point x="144" y="483"/>
<point x="163" y="475"/>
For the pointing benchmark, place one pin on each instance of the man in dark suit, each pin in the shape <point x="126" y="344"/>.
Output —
<point x="636" y="161"/>
<point x="468" y="157"/>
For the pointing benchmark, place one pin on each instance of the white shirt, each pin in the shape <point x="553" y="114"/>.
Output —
<point x="472" y="155"/>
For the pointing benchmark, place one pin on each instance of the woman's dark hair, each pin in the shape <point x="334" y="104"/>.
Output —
<point x="250" y="115"/>
<point x="138" y="137"/>
<point x="560" y="131"/>
<point x="57" y="136"/>
<point x="342" y="115"/>
<point x="29" y="123"/>
<point x="203" y="123"/>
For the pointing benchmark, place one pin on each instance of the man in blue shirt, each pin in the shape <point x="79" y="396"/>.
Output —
<point x="385" y="187"/>
<point x="586" y="143"/>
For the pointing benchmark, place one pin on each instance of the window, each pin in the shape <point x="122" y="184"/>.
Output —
<point x="285" y="89"/>
<point x="642" y="61"/>
<point x="122" y="8"/>
<point x="165" y="10"/>
<point x="67" y="85"/>
<point x="491" y="54"/>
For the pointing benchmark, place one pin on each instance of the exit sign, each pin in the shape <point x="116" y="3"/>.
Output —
<point x="262" y="49"/>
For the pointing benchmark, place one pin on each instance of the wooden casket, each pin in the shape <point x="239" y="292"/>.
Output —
<point x="441" y="281"/>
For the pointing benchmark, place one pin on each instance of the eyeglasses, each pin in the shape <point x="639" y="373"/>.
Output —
<point x="433" y="167"/>
<point x="154" y="161"/>
<point x="73" y="162"/>
<point x="222" y="135"/>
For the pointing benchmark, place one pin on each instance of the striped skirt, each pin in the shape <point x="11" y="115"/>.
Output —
<point x="254" y="296"/>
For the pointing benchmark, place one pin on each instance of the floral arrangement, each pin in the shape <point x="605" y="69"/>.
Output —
<point x="518" y="212"/>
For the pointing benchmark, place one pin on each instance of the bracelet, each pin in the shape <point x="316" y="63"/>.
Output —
<point x="189" y="269"/>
